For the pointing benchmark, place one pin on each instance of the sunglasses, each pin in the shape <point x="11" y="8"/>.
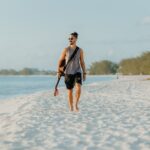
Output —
<point x="70" y="39"/>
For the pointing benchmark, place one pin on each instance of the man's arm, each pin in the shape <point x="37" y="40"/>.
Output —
<point x="82" y="64"/>
<point x="62" y="57"/>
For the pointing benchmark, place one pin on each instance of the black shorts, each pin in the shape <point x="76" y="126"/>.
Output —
<point x="71" y="79"/>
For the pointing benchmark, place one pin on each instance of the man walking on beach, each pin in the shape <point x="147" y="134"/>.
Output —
<point x="74" y="72"/>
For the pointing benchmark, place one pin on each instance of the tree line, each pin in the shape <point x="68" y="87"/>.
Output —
<point x="26" y="71"/>
<point x="131" y="66"/>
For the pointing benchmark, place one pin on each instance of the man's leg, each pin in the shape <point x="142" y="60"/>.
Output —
<point x="69" y="81"/>
<point x="77" y="95"/>
<point x="70" y="99"/>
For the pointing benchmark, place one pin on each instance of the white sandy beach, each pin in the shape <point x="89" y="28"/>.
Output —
<point x="114" y="115"/>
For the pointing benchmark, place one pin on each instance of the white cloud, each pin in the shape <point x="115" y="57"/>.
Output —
<point x="146" y="20"/>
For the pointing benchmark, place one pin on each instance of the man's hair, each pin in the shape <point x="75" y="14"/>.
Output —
<point x="75" y="34"/>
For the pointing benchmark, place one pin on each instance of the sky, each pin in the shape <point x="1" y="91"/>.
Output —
<point x="33" y="33"/>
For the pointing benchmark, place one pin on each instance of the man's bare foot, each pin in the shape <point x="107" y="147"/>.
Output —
<point x="76" y="109"/>
<point x="71" y="108"/>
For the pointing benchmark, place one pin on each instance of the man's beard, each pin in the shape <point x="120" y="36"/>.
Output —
<point x="71" y="43"/>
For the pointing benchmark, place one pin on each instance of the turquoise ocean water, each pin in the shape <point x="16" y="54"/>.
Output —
<point x="11" y="86"/>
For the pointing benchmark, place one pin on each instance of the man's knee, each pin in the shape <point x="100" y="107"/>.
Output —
<point x="70" y="91"/>
<point x="78" y="87"/>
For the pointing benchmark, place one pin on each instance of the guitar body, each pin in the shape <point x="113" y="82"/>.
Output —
<point x="61" y="67"/>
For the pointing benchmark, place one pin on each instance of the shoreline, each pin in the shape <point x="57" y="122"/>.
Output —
<point x="121" y="77"/>
<point x="4" y="97"/>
